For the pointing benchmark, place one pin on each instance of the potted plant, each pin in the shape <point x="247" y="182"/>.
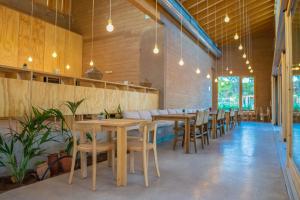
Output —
<point x="36" y="130"/>
<point x="65" y="155"/>
<point x="119" y="113"/>
<point x="42" y="170"/>
<point x="102" y="115"/>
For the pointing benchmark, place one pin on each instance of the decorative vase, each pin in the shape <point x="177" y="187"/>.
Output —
<point x="41" y="170"/>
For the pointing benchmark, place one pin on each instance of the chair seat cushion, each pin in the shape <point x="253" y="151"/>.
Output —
<point x="172" y="111"/>
<point x="163" y="112"/>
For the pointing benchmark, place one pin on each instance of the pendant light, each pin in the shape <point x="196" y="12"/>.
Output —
<point x="240" y="46"/>
<point x="54" y="54"/>
<point x="244" y="56"/>
<point x="30" y="59"/>
<point x="216" y="79"/>
<point x="249" y="67"/>
<point x="251" y="71"/>
<point x="69" y="34"/>
<point x="181" y="62"/>
<point x="109" y="26"/>
<point x="92" y="48"/>
<point x="247" y="62"/>
<point x="236" y="36"/>
<point x="230" y="72"/>
<point x="208" y="76"/>
<point x="226" y="18"/>
<point x="156" y="49"/>
<point x="198" y="71"/>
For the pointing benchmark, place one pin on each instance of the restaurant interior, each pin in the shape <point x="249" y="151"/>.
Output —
<point x="149" y="99"/>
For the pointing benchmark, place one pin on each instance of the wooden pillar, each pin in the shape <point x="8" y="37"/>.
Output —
<point x="273" y="93"/>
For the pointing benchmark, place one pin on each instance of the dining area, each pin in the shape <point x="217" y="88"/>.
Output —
<point x="125" y="137"/>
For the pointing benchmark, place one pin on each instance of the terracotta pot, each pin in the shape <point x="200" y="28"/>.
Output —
<point x="54" y="166"/>
<point x="65" y="162"/>
<point x="41" y="169"/>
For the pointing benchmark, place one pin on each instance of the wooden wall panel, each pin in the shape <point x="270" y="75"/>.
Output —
<point x="14" y="97"/>
<point x="31" y="45"/>
<point x="9" y="28"/>
<point x="73" y="48"/>
<point x="17" y="96"/>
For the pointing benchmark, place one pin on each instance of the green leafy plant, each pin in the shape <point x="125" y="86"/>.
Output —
<point x="73" y="106"/>
<point x="35" y="131"/>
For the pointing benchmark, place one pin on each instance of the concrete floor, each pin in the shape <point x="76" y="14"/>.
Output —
<point x="240" y="165"/>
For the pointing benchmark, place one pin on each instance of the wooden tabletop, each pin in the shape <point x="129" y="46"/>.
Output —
<point x="113" y="122"/>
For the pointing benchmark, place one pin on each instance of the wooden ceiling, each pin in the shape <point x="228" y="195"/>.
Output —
<point x="260" y="14"/>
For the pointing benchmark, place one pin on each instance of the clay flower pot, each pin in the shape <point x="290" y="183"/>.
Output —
<point x="41" y="170"/>
<point x="54" y="166"/>
<point x="65" y="162"/>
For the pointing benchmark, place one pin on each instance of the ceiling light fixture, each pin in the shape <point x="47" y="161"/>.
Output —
<point x="109" y="26"/>
<point x="244" y="55"/>
<point x="208" y="76"/>
<point x="198" y="71"/>
<point x="251" y="71"/>
<point x="249" y="67"/>
<point x="181" y="62"/>
<point x="236" y="36"/>
<point x="226" y="18"/>
<point x="216" y="80"/>
<point x="247" y="62"/>
<point x="69" y="34"/>
<point x="92" y="47"/>
<point x="156" y="49"/>
<point x="241" y="47"/>
<point x="54" y="54"/>
<point x="230" y="72"/>
<point x="30" y="59"/>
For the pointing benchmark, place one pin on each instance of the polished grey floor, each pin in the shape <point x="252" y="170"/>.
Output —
<point x="241" y="165"/>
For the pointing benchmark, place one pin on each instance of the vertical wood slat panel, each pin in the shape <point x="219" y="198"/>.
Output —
<point x="16" y="97"/>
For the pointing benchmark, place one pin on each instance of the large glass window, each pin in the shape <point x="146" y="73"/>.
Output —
<point x="296" y="94"/>
<point x="248" y="93"/>
<point x="228" y="92"/>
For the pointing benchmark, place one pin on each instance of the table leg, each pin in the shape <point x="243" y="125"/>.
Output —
<point x="83" y="160"/>
<point x="187" y="136"/>
<point x="176" y="135"/>
<point x="121" y="156"/>
<point x="227" y="121"/>
<point x="214" y="126"/>
<point x="109" y="154"/>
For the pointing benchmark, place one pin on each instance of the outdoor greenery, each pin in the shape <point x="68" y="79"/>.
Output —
<point x="248" y="93"/>
<point x="228" y="92"/>
<point x="18" y="148"/>
<point x="296" y="94"/>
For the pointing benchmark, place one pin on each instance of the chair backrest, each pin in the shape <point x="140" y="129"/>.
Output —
<point x="223" y="114"/>
<point x="199" y="118"/>
<point x="231" y="113"/>
<point x="206" y="117"/>
<point x="149" y="132"/>
<point x="219" y="115"/>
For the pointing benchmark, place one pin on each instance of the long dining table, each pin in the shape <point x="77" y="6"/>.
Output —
<point x="120" y="126"/>
<point x="179" y="117"/>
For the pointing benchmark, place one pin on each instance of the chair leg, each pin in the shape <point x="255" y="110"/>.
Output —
<point x="156" y="161"/>
<point x="202" y="143"/>
<point x="195" y="144"/>
<point x="72" y="166"/>
<point x="175" y="140"/>
<point x="131" y="154"/>
<point x="145" y="167"/>
<point x="113" y="164"/>
<point x="83" y="164"/>
<point x="94" y="170"/>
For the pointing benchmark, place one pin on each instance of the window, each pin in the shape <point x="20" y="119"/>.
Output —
<point x="228" y="92"/>
<point x="248" y="93"/>
<point x="296" y="94"/>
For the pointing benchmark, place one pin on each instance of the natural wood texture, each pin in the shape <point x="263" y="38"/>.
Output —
<point x="259" y="12"/>
<point x="179" y="117"/>
<point x="118" y="51"/>
<point x="9" y="28"/>
<point x="17" y="95"/>
<point x="23" y="36"/>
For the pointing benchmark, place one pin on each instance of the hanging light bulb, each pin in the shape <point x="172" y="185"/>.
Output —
<point x="208" y="76"/>
<point x="244" y="55"/>
<point x="68" y="67"/>
<point x="181" y="62"/>
<point x="155" y="50"/>
<point x="109" y="26"/>
<point x="227" y="68"/>
<point x="222" y="83"/>
<point x="249" y="67"/>
<point x="236" y="36"/>
<point x="198" y="71"/>
<point x="54" y="54"/>
<point x="247" y="62"/>
<point x="216" y="80"/>
<point x="226" y="19"/>
<point x="29" y="59"/>
<point x="230" y="72"/>
<point x="91" y="63"/>
<point x="251" y="71"/>
<point x="241" y="47"/>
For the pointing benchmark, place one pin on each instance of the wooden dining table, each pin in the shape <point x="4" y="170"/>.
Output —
<point x="179" y="117"/>
<point x="120" y="126"/>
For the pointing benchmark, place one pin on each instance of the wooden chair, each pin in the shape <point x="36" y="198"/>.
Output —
<point x="144" y="143"/>
<point x="220" y="122"/>
<point x="232" y="121"/>
<point x="198" y="125"/>
<point x="205" y="127"/>
<point x="86" y="147"/>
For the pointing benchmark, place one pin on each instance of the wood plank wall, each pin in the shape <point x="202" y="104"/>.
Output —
<point x="17" y="43"/>
<point x="118" y="51"/>
<point x="17" y="96"/>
